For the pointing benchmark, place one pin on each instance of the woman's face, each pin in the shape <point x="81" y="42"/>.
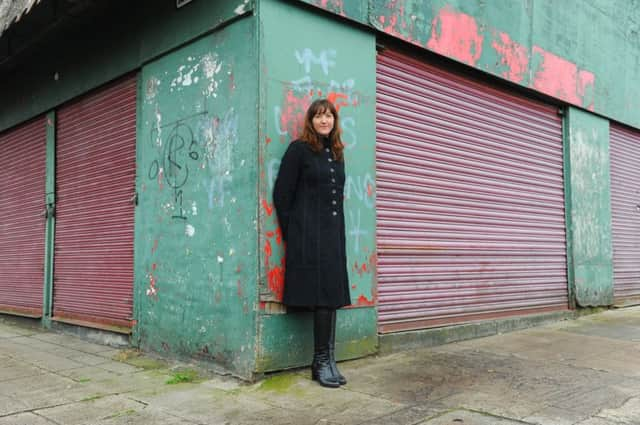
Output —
<point x="323" y="122"/>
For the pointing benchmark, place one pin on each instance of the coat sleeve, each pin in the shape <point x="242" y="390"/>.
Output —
<point x="284" y="191"/>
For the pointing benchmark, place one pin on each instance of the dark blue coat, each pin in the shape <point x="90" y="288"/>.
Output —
<point x="308" y="197"/>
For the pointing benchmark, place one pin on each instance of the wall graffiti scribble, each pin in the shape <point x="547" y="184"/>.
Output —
<point x="179" y="148"/>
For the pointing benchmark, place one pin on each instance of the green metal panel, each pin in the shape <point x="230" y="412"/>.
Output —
<point x="356" y="10"/>
<point x="589" y="205"/>
<point x="313" y="56"/>
<point x="287" y="339"/>
<point x="196" y="225"/>
<point x="582" y="52"/>
<point x="69" y="64"/>
<point x="50" y="223"/>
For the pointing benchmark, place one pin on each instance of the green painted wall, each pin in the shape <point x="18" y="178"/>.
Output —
<point x="583" y="52"/>
<point x="314" y="56"/>
<point x="196" y="243"/>
<point x="589" y="206"/>
<point x="356" y="10"/>
<point x="71" y="62"/>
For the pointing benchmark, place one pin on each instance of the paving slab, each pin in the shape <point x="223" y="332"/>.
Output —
<point x="90" y="410"/>
<point x="570" y="372"/>
<point x="25" y="419"/>
<point x="465" y="417"/>
<point x="627" y="413"/>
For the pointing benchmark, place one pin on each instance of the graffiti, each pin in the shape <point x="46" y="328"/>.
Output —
<point x="355" y="229"/>
<point x="221" y="137"/>
<point x="325" y="59"/>
<point x="361" y="187"/>
<point x="179" y="149"/>
<point x="288" y="118"/>
<point x="216" y="188"/>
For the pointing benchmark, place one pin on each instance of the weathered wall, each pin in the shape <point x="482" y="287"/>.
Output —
<point x="71" y="62"/>
<point x="314" y="56"/>
<point x="196" y="225"/>
<point x="589" y="205"/>
<point x="583" y="52"/>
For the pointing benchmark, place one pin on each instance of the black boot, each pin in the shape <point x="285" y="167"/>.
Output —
<point x="321" y="366"/>
<point x="332" y="355"/>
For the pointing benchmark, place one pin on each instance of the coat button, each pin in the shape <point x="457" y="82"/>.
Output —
<point x="333" y="191"/>
<point x="335" y="213"/>
<point x="332" y="170"/>
<point x="326" y="149"/>
<point x="333" y="180"/>
<point x="333" y="202"/>
<point x="329" y="159"/>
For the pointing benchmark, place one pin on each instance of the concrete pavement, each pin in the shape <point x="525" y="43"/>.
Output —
<point x="584" y="371"/>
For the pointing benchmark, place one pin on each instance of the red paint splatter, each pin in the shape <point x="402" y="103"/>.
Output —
<point x="239" y="285"/>
<point x="364" y="301"/>
<point x="292" y="115"/>
<point x="238" y="269"/>
<point x="154" y="266"/>
<point x="154" y="248"/>
<point x="455" y="34"/>
<point x="276" y="281"/>
<point x="270" y="234"/>
<point x="268" y="140"/>
<point x="262" y="305"/>
<point x="369" y="190"/>
<point x="267" y="248"/>
<point x="278" y="235"/>
<point x="513" y="55"/>
<point x="381" y="19"/>
<point x="560" y="78"/>
<point x="338" y="99"/>
<point x="267" y="208"/>
<point x="354" y="286"/>
<point x="373" y="261"/>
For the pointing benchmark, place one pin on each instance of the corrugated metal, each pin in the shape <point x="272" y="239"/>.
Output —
<point x="625" y="211"/>
<point x="22" y="225"/>
<point x="470" y="199"/>
<point x="95" y="154"/>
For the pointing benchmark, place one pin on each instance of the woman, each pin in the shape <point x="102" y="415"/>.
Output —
<point x="308" y="197"/>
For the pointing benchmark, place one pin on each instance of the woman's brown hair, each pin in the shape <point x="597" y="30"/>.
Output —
<point x="309" y="135"/>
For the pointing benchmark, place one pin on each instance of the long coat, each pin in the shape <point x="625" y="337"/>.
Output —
<point x="308" y="197"/>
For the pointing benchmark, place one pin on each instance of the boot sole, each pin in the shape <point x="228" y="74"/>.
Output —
<point x="325" y="384"/>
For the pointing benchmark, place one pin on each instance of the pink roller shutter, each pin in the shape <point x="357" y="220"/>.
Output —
<point x="625" y="211"/>
<point x="22" y="227"/>
<point x="96" y="139"/>
<point x="470" y="199"/>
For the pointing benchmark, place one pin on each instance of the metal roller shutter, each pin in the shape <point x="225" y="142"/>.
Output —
<point x="22" y="227"/>
<point x="93" y="264"/>
<point x="625" y="211"/>
<point x="470" y="199"/>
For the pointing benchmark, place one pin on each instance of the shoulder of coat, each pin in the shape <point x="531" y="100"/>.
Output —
<point x="299" y="144"/>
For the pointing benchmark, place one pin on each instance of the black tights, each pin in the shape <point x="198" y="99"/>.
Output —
<point x="322" y="327"/>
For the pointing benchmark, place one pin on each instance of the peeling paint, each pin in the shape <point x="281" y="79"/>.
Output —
<point x="456" y="35"/>
<point x="365" y="302"/>
<point x="561" y="78"/>
<point x="513" y="56"/>
<point x="242" y="8"/>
